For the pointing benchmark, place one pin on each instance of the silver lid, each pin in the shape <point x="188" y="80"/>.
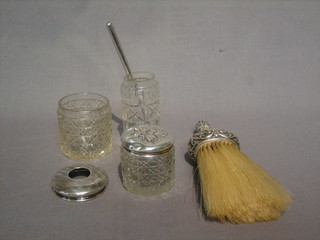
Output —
<point x="204" y="133"/>
<point x="145" y="139"/>
<point x="79" y="182"/>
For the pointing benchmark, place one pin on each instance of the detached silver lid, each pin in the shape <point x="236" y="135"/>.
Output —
<point x="79" y="182"/>
<point x="144" y="139"/>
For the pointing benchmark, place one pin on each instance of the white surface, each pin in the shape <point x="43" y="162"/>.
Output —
<point x="251" y="67"/>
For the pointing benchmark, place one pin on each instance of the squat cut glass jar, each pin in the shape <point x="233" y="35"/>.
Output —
<point x="84" y="121"/>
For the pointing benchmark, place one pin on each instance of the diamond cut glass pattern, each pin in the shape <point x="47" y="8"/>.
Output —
<point x="147" y="160"/>
<point x="84" y="126"/>
<point x="140" y="100"/>
<point x="147" y="175"/>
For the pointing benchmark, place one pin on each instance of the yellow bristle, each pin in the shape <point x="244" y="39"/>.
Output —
<point x="234" y="188"/>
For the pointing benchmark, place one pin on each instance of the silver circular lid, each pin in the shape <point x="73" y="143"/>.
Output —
<point x="79" y="182"/>
<point x="147" y="139"/>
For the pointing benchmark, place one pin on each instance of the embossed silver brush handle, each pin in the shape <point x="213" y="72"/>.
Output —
<point x="204" y="133"/>
<point x="119" y="49"/>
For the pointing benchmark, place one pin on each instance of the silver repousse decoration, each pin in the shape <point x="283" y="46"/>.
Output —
<point x="204" y="133"/>
<point x="146" y="134"/>
<point x="147" y="139"/>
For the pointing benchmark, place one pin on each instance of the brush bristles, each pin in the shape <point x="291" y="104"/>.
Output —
<point x="234" y="188"/>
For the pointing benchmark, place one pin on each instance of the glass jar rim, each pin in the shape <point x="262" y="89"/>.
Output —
<point x="140" y="76"/>
<point x="104" y="99"/>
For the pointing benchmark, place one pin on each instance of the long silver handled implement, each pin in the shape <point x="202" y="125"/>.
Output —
<point x="116" y="43"/>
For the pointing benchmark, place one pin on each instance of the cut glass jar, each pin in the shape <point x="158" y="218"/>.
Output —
<point x="147" y="160"/>
<point x="140" y="100"/>
<point x="84" y="121"/>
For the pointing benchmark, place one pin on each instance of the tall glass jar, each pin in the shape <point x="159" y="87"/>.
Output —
<point x="147" y="160"/>
<point x="85" y="130"/>
<point x="140" y="100"/>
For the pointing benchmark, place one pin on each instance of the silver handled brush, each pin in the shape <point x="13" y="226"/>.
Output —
<point x="233" y="187"/>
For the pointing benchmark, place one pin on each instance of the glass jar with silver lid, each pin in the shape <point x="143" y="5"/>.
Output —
<point x="147" y="160"/>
